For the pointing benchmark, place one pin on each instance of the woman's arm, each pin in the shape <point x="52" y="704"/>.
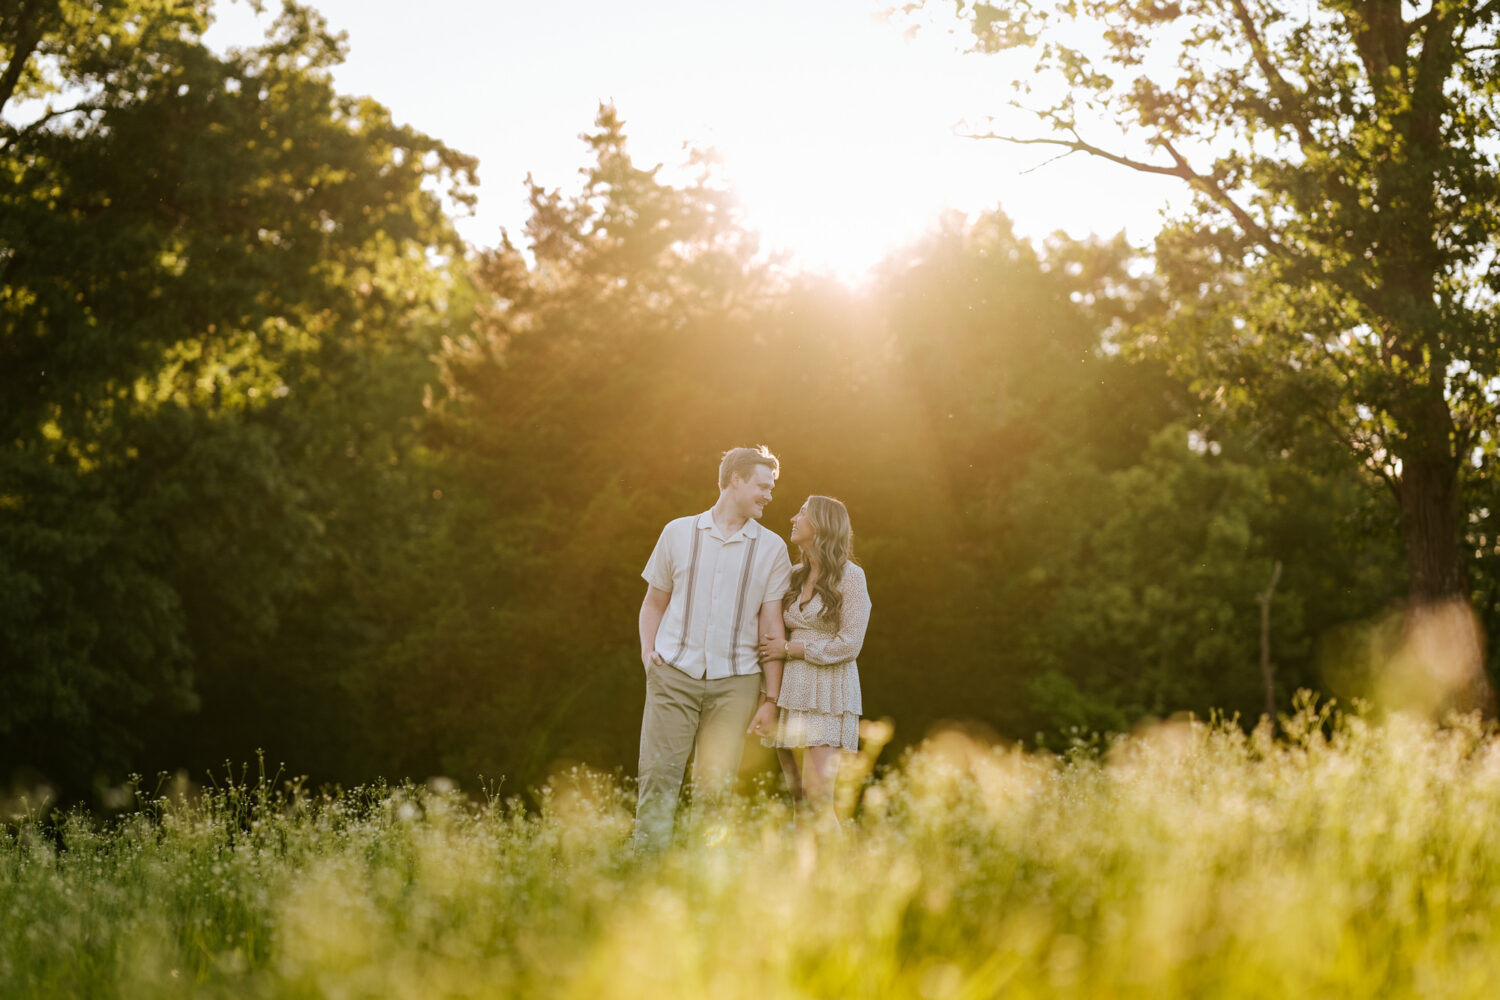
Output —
<point x="854" y="617"/>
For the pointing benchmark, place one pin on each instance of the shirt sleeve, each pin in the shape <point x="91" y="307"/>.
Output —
<point x="780" y="577"/>
<point x="658" y="571"/>
<point x="854" y="617"/>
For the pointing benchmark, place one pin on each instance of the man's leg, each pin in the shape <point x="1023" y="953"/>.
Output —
<point x="728" y="706"/>
<point x="669" y="724"/>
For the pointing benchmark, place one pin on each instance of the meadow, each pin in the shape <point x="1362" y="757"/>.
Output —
<point x="1334" y="857"/>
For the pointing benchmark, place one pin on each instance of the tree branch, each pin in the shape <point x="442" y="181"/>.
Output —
<point x="1466" y="438"/>
<point x="1222" y="198"/>
<point x="1363" y="452"/>
<point x="1286" y="96"/>
<point x="1333" y="361"/>
<point x="1476" y="16"/>
<point x="1439" y="49"/>
<point x="1079" y="146"/>
<point x="1179" y="169"/>
<point x="1422" y="22"/>
<point x="1380" y="37"/>
<point x="10" y="136"/>
<point x="28" y="36"/>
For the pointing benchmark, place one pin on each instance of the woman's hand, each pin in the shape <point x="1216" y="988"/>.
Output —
<point x="772" y="648"/>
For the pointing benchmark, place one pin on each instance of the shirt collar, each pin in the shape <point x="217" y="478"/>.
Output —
<point x="751" y="530"/>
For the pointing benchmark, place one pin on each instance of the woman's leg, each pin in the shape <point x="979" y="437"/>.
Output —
<point x="820" y="771"/>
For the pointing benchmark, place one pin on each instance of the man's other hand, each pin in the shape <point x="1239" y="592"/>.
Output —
<point x="763" y="723"/>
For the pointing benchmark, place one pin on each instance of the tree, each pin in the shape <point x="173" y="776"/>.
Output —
<point x="1104" y="545"/>
<point x="1334" y="269"/>
<point x="1018" y="487"/>
<point x="560" y="449"/>
<point x="211" y="264"/>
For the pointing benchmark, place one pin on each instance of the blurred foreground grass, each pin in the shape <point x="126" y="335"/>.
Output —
<point x="1339" y="859"/>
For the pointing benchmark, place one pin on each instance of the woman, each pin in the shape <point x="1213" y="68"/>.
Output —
<point x="826" y="609"/>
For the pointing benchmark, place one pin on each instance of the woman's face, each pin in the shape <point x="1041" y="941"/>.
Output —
<point x="802" y="529"/>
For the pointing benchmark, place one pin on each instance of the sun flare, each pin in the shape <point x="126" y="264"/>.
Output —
<point x="838" y="157"/>
<point x="841" y="152"/>
<point x="835" y="126"/>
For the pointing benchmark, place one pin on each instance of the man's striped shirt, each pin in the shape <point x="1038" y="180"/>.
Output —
<point x="717" y="585"/>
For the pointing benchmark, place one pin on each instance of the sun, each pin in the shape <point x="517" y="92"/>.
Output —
<point x="832" y="212"/>
<point x="841" y="146"/>
<point x="845" y="151"/>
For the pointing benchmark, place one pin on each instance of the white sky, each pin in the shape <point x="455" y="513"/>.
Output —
<point x="837" y="131"/>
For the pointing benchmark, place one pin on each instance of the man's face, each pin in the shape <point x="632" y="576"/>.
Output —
<point x="750" y="496"/>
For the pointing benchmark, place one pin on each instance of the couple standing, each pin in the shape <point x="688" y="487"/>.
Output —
<point x="721" y="598"/>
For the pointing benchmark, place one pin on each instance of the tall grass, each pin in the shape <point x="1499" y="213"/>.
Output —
<point x="1338" y="859"/>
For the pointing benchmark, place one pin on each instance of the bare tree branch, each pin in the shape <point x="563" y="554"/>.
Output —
<point x="1079" y="146"/>
<point x="1049" y="161"/>
<point x="1180" y="169"/>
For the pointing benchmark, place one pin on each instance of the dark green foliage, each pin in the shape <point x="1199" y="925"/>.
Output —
<point x="217" y="277"/>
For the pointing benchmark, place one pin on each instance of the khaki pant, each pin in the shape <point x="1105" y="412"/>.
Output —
<point x="687" y="716"/>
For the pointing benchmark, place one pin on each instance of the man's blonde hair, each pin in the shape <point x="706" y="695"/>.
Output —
<point x="742" y="461"/>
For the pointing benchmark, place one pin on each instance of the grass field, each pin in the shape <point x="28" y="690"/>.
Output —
<point x="1340" y="859"/>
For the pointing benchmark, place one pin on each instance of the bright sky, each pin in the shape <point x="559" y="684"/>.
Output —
<point x="836" y="129"/>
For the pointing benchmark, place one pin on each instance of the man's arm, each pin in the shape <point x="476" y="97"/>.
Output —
<point x="653" y="610"/>
<point x="771" y="627"/>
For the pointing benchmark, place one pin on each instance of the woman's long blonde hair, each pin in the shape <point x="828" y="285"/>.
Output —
<point x="831" y="548"/>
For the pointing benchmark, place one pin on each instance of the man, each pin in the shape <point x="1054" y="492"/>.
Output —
<point x="713" y="587"/>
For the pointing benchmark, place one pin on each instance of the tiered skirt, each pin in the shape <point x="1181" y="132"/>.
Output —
<point x="819" y="706"/>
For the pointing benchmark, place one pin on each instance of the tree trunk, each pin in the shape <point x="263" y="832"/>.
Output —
<point x="1428" y="496"/>
<point x="1267" y="676"/>
<point x="1442" y="633"/>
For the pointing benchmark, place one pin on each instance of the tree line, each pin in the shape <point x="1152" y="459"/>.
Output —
<point x="286" y="465"/>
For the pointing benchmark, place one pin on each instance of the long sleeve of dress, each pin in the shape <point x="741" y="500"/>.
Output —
<point x="854" y="617"/>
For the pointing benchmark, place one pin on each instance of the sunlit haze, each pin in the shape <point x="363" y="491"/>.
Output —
<point x="836" y="128"/>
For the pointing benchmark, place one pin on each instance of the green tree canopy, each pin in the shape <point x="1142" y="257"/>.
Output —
<point x="1334" y="271"/>
<point x="200" y="254"/>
